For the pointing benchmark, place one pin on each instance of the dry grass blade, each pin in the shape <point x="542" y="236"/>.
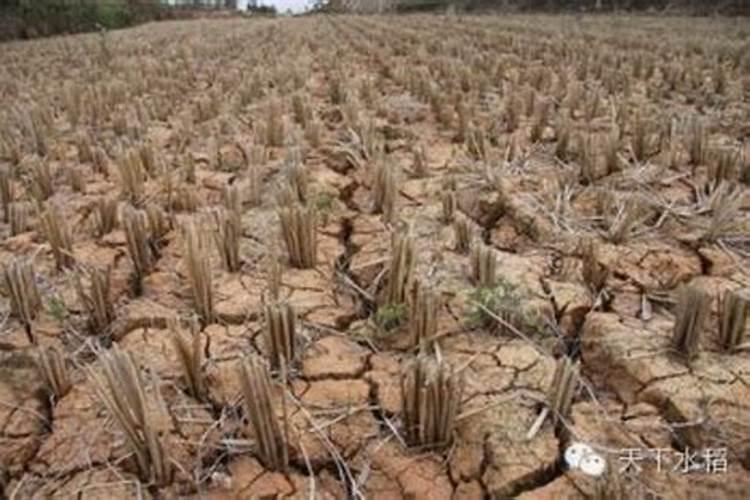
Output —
<point x="431" y="396"/>
<point x="693" y="308"/>
<point x="640" y="137"/>
<point x="274" y="124"/>
<point x="296" y="174"/>
<point x="25" y="300"/>
<point x="198" y="267"/>
<point x="120" y="388"/>
<point x="188" y="167"/>
<point x="273" y="278"/>
<point x="106" y="215"/>
<point x="96" y="299"/>
<point x="734" y="311"/>
<point x="20" y="214"/>
<point x="7" y="192"/>
<point x="724" y="167"/>
<point x="483" y="265"/>
<point x="253" y="186"/>
<point x="56" y="230"/>
<point x="448" y="199"/>
<point x="562" y="145"/>
<point x="132" y="176"/>
<point x="298" y="231"/>
<point x="726" y="205"/>
<point x="42" y="185"/>
<point x="562" y="390"/>
<point x="697" y="143"/>
<point x="136" y="226"/>
<point x="627" y="215"/>
<point x="227" y="237"/>
<point x="281" y="334"/>
<point x="477" y="144"/>
<point x="256" y="390"/>
<point x="231" y="198"/>
<point x="159" y="223"/>
<point x="589" y="171"/>
<point x="401" y="268"/>
<point x="611" y="158"/>
<point x="53" y="368"/>
<point x="77" y="180"/>
<point x="463" y="233"/>
<point x="101" y="162"/>
<point x="301" y="109"/>
<point x="190" y="357"/>
<point x="85" y="148"/>
<point x="313" y="132"/>
<point x="419" y="162"/>
<point x="385" y="191"/>
<point x="423" y="316"/>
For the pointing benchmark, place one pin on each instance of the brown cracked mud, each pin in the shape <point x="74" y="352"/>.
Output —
<point x="488" y="100"/>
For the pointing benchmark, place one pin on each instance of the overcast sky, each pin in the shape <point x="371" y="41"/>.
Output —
<point x="281" y="5"/>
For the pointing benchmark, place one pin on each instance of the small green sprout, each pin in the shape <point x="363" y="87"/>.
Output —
<point x="390" y="316"/>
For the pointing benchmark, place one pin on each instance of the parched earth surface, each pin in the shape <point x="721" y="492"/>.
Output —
<point x="480" y="106"/>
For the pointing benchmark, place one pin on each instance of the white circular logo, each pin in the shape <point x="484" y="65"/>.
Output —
<point x="583" y="457"/>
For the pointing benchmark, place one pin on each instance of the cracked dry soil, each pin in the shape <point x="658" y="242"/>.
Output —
<point x="488" y="100"/>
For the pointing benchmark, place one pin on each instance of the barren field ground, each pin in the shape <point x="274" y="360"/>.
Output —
<point x="376" y="257"/>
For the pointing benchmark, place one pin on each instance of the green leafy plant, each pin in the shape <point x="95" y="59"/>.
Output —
<point x="56" y="308"/>
<point x="324" y="203"/>
<point x="390" y="316"/>
<point x="505" y="301"/>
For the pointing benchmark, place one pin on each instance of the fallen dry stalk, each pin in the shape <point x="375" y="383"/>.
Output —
<point x="119" y="386"/>
<point x="431" y="396"/>
<point x="628" y="214"/>
<point x="256" y="390"/>
<point x="726" y="205"/>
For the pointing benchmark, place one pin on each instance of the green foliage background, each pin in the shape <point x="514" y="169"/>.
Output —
<point x="33" y="18"/>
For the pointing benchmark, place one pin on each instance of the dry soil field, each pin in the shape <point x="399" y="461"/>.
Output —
<point x="376" y="257"/>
